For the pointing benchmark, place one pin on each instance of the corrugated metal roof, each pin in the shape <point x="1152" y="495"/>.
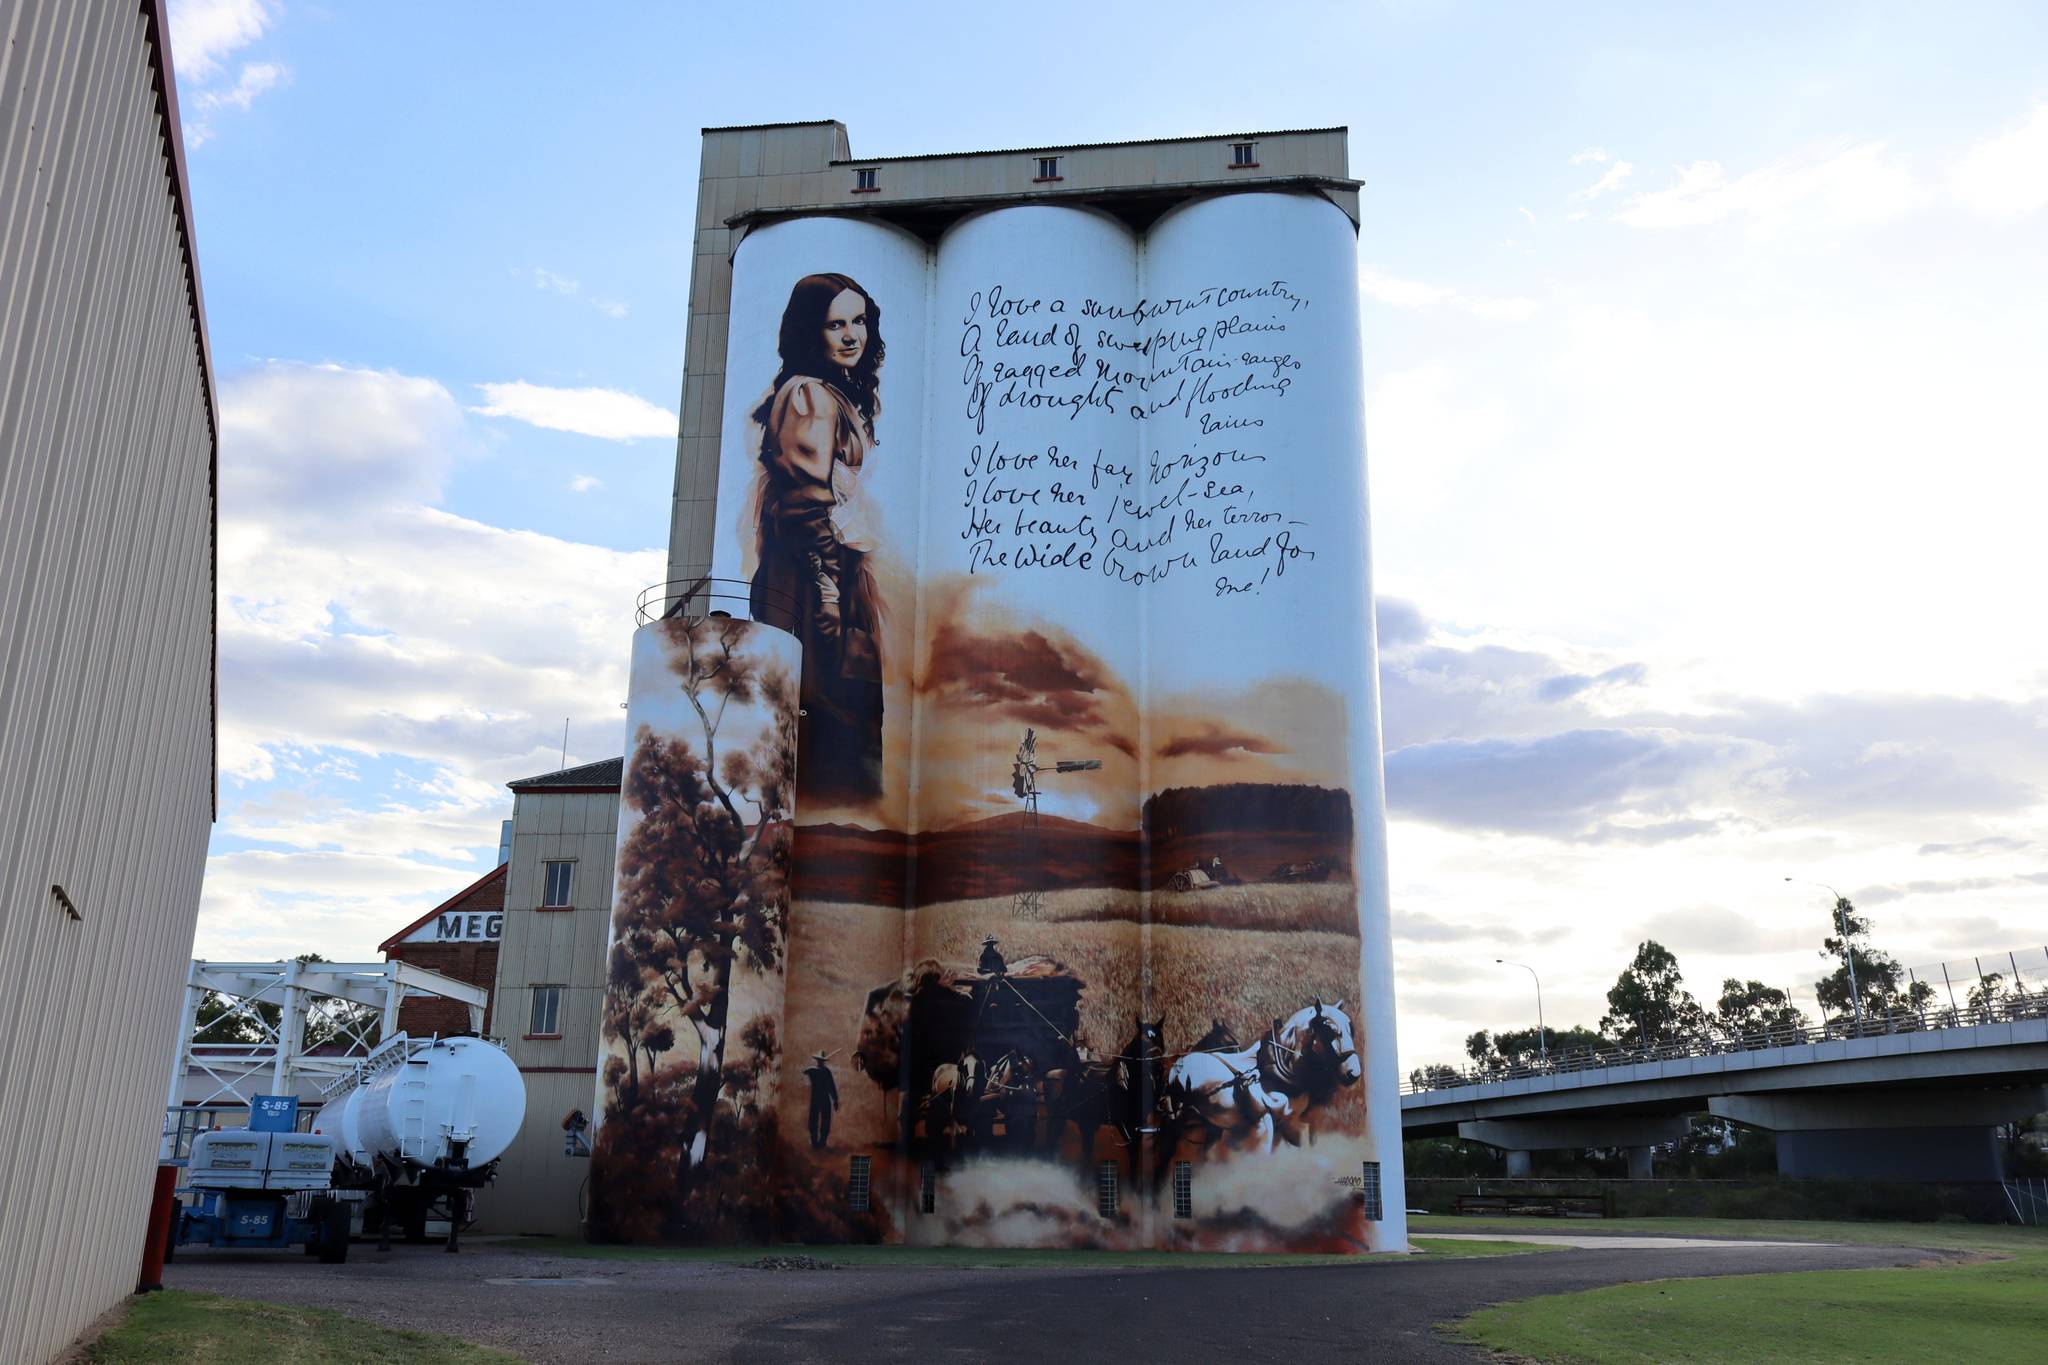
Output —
<point x="762" y="127"/>
<point x="604" y="773"/>
<point x="1091" y="146"/>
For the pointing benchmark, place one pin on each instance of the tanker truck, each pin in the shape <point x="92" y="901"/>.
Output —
<point x="420" y="1125"/>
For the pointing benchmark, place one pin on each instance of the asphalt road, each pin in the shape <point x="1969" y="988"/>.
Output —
<point x="560" y="1309"/>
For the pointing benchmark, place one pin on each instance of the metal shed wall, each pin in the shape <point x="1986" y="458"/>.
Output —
<point x="107" y="435"/>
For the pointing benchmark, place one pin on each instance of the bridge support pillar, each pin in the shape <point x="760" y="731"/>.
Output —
<point x="1886" y="1135"/>
<point x="1519" y="1137"/>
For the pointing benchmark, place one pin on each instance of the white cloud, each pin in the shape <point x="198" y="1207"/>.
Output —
<point x="1416" y="296"/>
<point x="2006" y="177"/>
<point x="549" y="281"/>
<point x="204" y="33"/>
<point x="256" y="78"/>
<point x="1421" y="431"/>
<point x="584" y="483"/>
<point x="1526" y="213"/>
<point x="362" y="629"/>
<point x="1619" y="172"/>
<point x="604" y="413"/>
<point x="553" y="283"/>
<point x="1851" y="187"/>
<point x="310" y="440"/>
<point x="1599" y="156"/>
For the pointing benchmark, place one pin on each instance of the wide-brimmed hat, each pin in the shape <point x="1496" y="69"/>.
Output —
<point x="817" y="1056"/>
<point x="989" y="942"/>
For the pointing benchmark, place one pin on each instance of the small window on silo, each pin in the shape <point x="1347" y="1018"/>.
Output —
<point x="1183" y="1189"/>
<point x="1373" y="1207"/>
<point x="928" y="1188"/>
<point x="857" y="1185"/>
<point x="1105" y="1189"/>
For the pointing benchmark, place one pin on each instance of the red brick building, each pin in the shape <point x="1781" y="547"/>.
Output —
<point x="458" y="938"/>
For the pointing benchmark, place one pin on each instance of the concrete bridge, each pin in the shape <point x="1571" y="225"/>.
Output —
<point x="1919" y="1102"/>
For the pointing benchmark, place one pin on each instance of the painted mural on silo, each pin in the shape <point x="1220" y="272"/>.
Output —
<point x="691" y="1052"/>
<point x="1088" y="924"/>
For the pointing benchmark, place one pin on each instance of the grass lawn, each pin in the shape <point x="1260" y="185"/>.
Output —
<point x="1445" y="1248"/>
<point x="1988" y="1309"/>
<point x="177" y="1328"/>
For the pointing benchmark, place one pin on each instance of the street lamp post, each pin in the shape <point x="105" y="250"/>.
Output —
<point x="1848" y="950"/>
<point x="1542" y="1034"/>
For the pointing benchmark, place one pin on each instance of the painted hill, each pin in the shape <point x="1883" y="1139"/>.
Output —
<point x="1253" y="827"/>
<point x="998" y="856"/>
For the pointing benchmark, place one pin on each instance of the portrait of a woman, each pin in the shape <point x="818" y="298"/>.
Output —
<point x="812" y="577"/>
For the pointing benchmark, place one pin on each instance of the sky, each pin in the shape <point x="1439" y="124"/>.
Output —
<point x="1705" y="412"/>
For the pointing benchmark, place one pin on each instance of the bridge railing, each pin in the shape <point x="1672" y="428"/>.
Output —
<point x="1714" y="1043"/>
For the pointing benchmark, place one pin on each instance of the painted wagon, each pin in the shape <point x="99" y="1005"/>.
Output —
<point x="976" y="1050"/>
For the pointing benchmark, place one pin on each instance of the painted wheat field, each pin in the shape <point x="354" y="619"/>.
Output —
<point x="1243" y="954"/>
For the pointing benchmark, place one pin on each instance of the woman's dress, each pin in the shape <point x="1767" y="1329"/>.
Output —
<point x="814" y="581"/>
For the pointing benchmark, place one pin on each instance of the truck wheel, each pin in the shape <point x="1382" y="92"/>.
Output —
<point x="334" y="1233"/>
<point x="416" y="1221"/>
<point x="316" y="1214"/>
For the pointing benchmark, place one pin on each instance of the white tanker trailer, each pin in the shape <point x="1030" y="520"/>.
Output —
<point x="421" y="1125"/>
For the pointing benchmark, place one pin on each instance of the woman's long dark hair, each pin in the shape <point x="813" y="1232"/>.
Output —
<point x="802" y="347"/>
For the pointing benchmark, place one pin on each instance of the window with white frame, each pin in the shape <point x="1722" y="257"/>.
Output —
<point x="865" y="179"/>
<point x="545" y="1018"/>
<point x="556" y="878"/>
<point x="1244" y="153"/>
<point x="1048" y="168"/>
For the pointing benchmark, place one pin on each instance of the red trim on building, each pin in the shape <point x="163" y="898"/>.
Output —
<point x="464" y="894"/>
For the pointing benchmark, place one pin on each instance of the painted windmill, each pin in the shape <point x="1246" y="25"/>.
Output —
<point x="1024" y="771"/>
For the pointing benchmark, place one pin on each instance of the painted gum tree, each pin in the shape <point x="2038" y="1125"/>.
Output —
<point x="704" y="875"/>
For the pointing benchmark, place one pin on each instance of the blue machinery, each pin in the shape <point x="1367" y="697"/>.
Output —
<point x="263" y="1186"/>
<point x="264" y="1218"/>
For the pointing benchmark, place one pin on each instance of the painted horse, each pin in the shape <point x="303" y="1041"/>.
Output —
<point x="1120" y="1092"/>
<point x="1251" y="1098"/>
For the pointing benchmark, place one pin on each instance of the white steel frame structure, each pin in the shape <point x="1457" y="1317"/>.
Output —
<point x="301" y="991"/>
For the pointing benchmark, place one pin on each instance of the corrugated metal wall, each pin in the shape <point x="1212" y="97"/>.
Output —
<point x="537" y="1189"/>
<point x="106" y="649"/>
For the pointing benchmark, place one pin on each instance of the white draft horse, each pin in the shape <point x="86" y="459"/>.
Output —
<point x="1250" y="1097"/>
